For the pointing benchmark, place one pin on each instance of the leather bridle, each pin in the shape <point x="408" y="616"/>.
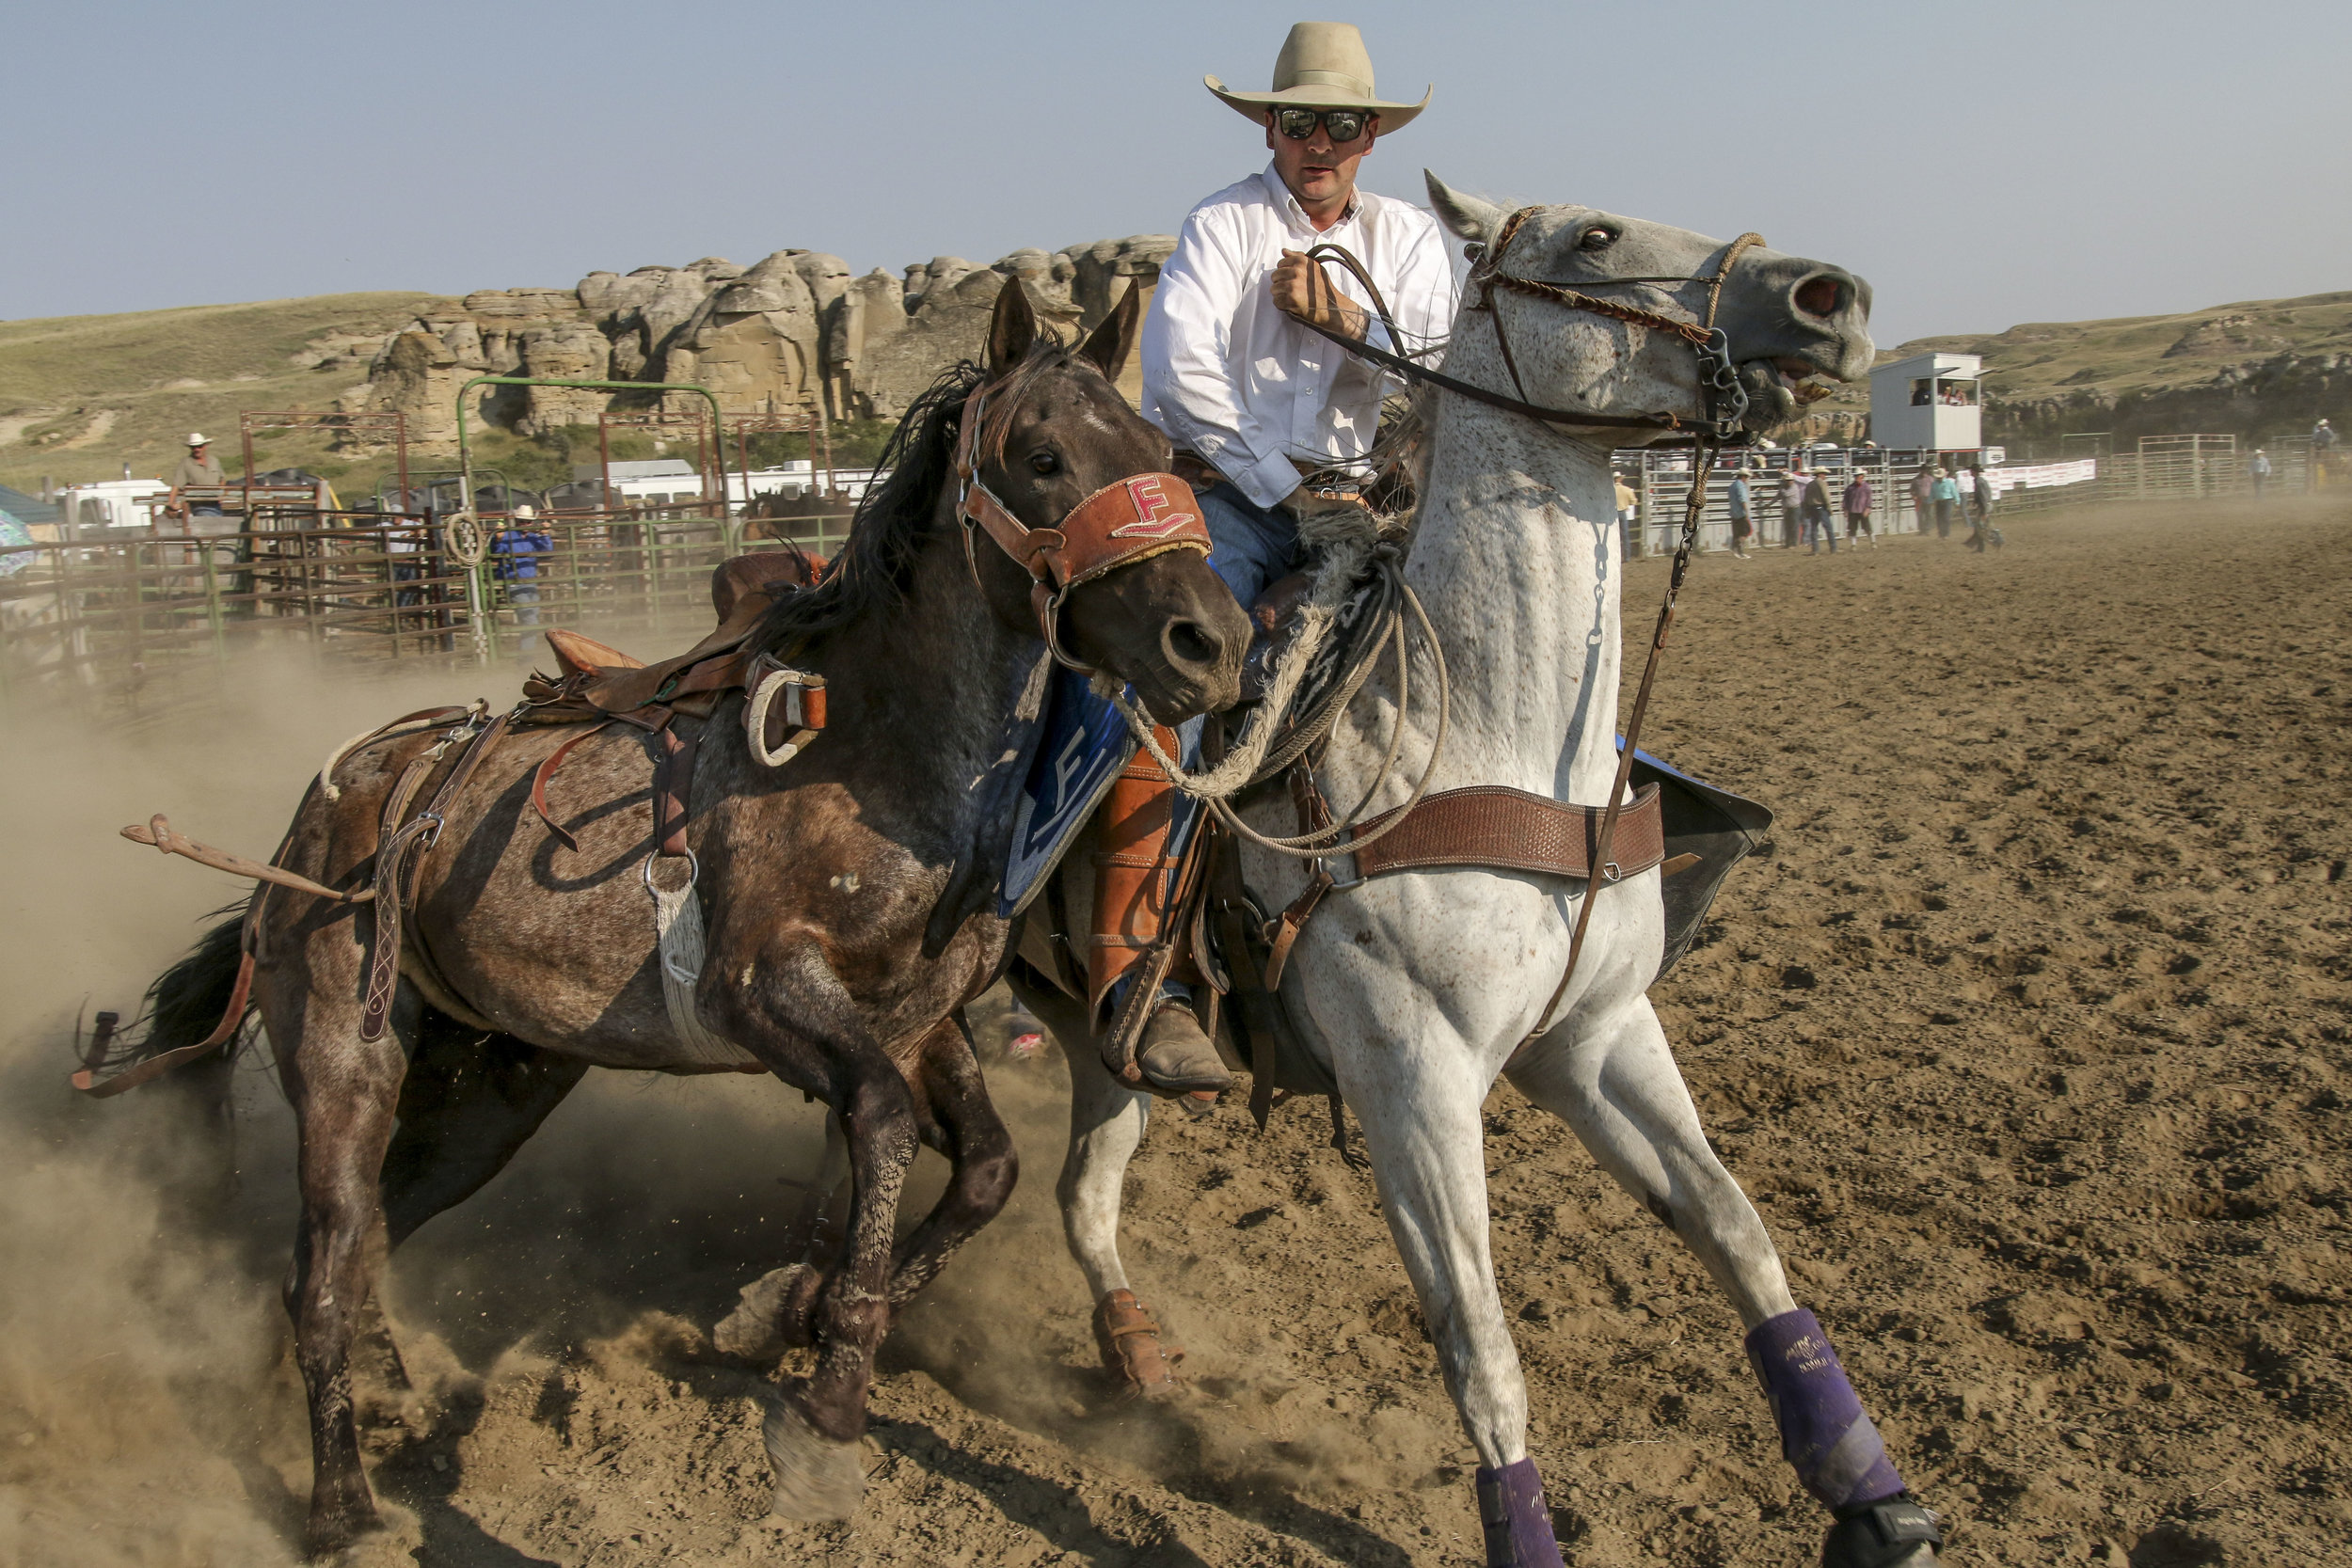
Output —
<point x="1726" y="400"/>
<point x="1126" y="521"/>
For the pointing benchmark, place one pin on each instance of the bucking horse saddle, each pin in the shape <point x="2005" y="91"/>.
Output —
<point x="595" y="685"/>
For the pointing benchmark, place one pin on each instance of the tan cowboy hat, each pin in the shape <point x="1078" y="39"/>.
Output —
<point x="199" y="440"/>
<point x="1323" y="64"/>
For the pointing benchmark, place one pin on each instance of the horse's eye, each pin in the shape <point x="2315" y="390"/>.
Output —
<point x="1045" y="463"/>
<point x="1597" y="239"/>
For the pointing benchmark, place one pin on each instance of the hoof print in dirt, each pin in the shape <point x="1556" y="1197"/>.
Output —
<point x="757" y="1329"/>
<point x="818" y="1481"/>
<point x="1897" y="1533"/>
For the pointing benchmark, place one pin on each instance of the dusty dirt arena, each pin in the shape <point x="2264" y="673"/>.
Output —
<point x="2028" y="1033"/>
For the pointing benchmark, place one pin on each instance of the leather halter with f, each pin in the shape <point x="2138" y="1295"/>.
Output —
<point x="1126" y="521"/>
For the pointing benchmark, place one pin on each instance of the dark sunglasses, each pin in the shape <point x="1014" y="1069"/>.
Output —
<point x="1343" y="124"/>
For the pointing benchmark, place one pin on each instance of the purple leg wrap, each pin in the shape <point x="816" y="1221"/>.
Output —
<point x="1823" y="1432"/>
<point x="1512" y="1512"/>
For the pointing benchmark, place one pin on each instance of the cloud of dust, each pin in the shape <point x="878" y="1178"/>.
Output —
<point x="149" y="1409"/>
<point x="146" y="1412"/>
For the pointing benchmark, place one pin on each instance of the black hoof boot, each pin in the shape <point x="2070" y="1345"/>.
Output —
<point x="1896" y="1533"/>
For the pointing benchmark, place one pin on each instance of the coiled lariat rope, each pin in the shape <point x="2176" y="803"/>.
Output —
<point x="1256" y="757"/>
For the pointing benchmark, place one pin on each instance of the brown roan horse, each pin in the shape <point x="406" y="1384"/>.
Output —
<point x="846" y="925"/>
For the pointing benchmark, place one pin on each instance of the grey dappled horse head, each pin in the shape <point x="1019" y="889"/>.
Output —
<point x="1785" y="317"/>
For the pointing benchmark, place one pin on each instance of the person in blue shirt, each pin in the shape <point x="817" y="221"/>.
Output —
<point x="1742" y="513"/>
<point x="1945" y="494"/>
<point x="515" y="552"/>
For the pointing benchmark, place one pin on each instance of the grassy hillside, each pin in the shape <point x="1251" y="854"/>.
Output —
<point x="2260" y="368"/>
<point x="2145" y="353"/>
<point x="82" y="395"/>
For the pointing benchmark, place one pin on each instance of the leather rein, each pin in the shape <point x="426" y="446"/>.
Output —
<point x="1726" y="400"/>
<point x="1126" y="521"/>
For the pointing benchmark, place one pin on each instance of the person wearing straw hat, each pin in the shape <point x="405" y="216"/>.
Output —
<point x="1230" y="370"/>
<point x="1742" y="500"/>
<point x="198" y="469"/>
<point x="515" y="552"/>
<point x="1275" y="419"/>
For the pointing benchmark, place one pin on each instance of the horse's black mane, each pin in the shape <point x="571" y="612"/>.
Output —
<point x="894" y="518"/>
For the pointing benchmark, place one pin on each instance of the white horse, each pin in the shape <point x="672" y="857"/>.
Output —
<point x="1416" y="990"/>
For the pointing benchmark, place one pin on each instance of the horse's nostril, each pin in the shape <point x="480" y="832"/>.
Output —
<point x="1817" y="297"/>
<point x="1187" y="643"/>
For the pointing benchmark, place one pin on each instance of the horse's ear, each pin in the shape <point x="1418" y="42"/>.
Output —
<point x="1111" y="341"/>
<point x="1468" y="218"/>
<point x="1012" y="329"/>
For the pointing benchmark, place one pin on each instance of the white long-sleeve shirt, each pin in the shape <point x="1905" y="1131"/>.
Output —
<point x="1228" y="375"/>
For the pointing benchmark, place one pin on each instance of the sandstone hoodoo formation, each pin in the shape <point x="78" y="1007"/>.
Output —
<point x="796" y="330"/>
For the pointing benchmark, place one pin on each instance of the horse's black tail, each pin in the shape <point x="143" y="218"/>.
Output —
<point x="191" y="1154"/>
<point x="186" y="1002"/>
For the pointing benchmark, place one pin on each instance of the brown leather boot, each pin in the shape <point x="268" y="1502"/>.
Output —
<point x="1134" y="879"/>
<point x="1177" y="1055"/>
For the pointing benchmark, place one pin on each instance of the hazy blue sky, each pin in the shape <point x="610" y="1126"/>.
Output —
<point x="1981" y="163"/>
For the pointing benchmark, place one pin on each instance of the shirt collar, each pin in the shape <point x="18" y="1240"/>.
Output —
<point x="1287" y="204"/>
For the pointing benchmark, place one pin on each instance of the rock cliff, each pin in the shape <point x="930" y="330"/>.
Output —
<point x="795" y="329"/>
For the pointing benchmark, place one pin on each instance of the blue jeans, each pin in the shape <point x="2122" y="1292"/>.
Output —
<point x="1814" y="530"/>
<point x="1255" y="545"/>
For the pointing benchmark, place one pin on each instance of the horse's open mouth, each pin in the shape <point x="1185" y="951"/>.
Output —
<point x="1778" y="388"/>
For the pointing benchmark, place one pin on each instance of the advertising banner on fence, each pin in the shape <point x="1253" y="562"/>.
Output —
<point x="2041" y="476"/>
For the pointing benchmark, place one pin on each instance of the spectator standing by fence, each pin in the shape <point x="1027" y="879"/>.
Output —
<point x="514" y="561"/>
<point x="1742" y="504"/>
<point x="1629" y="515"/>
<point x="1979" y="496"/>
<point x="1816" y="526"/>
<point x="2259" y="471"/>
<point x="2323" y="461"/>
<point x="199" y="470"/>
<point x="1923" y="496"/>
<point x="1944" y="492"/>
<point x="1856" y="501"/>
<point x="1790" y="494"/>
<point x="404" y="546"/>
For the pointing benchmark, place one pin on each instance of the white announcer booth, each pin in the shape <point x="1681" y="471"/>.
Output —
<point x="1930" y="402"/>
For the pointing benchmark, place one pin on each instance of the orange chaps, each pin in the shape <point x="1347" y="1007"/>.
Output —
<point x="1134" y="873"/>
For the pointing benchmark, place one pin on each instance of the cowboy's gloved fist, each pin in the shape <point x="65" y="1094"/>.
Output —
<point x="1305" y="506"/>
<point x="1302" y="289"/>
